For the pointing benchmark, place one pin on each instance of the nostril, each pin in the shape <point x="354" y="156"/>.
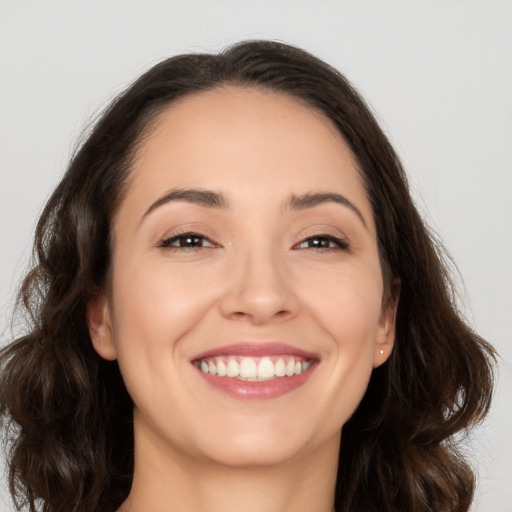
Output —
<point x="238" y="315"/>
<point x="241" y="315"/>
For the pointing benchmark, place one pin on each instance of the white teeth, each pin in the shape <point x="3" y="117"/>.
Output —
<point x="212" y="368"/>
<point x="233" y="368"/>
<point x="222" y="369"/>
<point x="254" y="369"/>
<point x="265" y="369"/>
<point x="248" y="368"/>
<point x="280" y="368"/>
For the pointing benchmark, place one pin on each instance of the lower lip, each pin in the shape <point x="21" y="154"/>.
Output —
<point x="263" y="390"/>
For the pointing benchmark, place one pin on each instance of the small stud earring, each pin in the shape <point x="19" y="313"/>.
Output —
<point x="381" y="352"/>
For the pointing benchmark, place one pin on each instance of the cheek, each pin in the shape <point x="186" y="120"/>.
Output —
<point x="154" y="308"/>
<point x="347" y="302"/>
<point x="158" y="303"/>
<point x="346" y="308"/>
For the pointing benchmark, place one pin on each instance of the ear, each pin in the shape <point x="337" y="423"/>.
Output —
<point x="100" y="327"/>
<point x="385" y="336"/>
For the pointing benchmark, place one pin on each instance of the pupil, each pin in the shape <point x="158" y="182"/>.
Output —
<point x="319" y="242"/>
<point x="190" y="241"/>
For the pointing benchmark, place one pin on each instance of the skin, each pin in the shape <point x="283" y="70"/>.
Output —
<point x="255" y="278"/>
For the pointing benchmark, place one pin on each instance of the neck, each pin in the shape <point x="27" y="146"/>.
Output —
<point x="169" y="482"/>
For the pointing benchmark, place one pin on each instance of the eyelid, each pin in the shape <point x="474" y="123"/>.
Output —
<point x="165" y="242"/>
<point x="341" y="242"/>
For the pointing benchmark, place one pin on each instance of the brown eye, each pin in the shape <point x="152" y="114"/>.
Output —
<point x="323" y="242"/>
<point x="186" y="241"/>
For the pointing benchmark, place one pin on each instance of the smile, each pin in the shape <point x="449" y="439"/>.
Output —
<point x="256" y="371"/>
<point x="253" y="369"/>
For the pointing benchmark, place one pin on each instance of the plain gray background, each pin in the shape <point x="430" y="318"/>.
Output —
<point x="437" y="73"/>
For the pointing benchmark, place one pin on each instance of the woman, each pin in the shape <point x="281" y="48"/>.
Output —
<point x="237" y="306"/>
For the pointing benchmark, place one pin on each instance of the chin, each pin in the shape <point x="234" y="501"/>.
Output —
<point x="270" y="444"/>
<point x="255" y="452"/>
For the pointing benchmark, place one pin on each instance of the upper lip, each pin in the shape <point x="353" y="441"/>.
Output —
<point x="256" y="349"/>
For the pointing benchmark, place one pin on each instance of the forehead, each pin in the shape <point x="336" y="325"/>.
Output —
<point x="246" y="140"/>
<point x="236" y="110"/>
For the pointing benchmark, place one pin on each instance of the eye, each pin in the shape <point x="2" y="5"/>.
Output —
<point x="186" y="241"/>
<point x="323" y="242"/>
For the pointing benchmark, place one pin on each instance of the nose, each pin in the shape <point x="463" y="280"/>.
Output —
<point x="259" y="289"/>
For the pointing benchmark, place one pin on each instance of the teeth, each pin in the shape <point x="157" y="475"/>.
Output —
<point x="280" y="368"/>
<point x="233" y="368"/>
<point x="254" y="369"/>
<point x="212" y="368"/>
<point x="248" y="368"/>
<point x="222" y="370"/>
<point x="265" y="369"/>
<point x="290" y="368"/>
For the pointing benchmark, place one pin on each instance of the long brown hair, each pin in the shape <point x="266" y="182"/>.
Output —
<point x="68" y="414"/>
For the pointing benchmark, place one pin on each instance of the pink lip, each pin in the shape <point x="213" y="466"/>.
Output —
<point x="256" y="350"/>
<point x="264" y="390"/>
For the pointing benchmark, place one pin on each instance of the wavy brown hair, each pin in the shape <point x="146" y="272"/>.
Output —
<point x="66" y="413"/>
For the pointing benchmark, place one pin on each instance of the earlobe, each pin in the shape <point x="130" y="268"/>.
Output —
<point x="385" y="338"/>
<point x="100" y="327"/>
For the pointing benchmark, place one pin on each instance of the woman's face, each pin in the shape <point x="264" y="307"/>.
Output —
<point x="245" y="244"/>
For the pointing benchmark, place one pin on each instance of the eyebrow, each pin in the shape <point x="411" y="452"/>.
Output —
<point x="211" y="199"/>
<point x="206" y="198"/>
<point x="310" y="200"/>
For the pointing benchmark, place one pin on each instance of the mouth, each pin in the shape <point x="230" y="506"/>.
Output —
<point x="256" y="371"/>
<point x="253" y="369"/>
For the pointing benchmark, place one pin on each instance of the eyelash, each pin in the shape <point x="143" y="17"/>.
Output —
<point x="180" y="237"/>
<point x="335" y="243"/>
<point x="338" y="244"/>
